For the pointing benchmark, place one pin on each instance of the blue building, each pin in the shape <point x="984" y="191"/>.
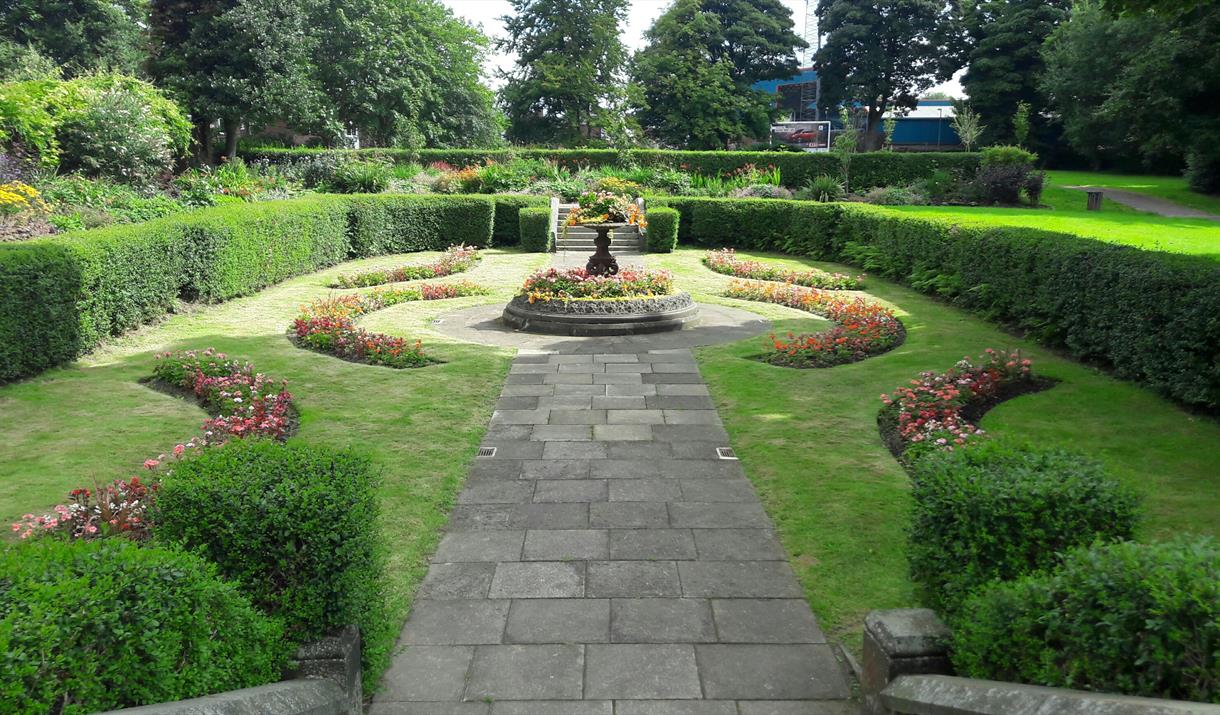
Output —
<point x="928" y="127"/>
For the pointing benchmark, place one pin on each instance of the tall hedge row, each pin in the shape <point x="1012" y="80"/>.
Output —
<point x="60" y="296"/>
<point x="868" y="170"/>
<point x="1151" y="317"/>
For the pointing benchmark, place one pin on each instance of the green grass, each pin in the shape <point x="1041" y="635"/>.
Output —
<point x="1173" y="188"/>
<point x="93" y="420"/>
<point x="808" y="440"/>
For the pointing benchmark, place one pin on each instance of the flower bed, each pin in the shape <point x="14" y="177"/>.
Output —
<point x="579" y="284"/>
<point x="246" y="404"/>
<point x="329" y="325"/>
<point x="456" y="259"/>
<point x="726" y="261"/>
<point x="937" y="410"/>
<point x="861" y="329"/>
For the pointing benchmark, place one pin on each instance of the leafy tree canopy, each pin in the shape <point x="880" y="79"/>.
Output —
<point x="82" y="36"/>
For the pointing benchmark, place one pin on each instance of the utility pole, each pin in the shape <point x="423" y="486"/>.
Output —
<point x="811" y="92"/>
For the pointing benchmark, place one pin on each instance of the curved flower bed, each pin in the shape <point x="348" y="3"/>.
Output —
<point x="725" y="261"/>
<point x="861" y="329"/>
<point x="578" y="284"/>
<point x="456" y="259"/>
<point x="939" y="410"/>
<point x="246" y="404"/>
<point x="328" y="325"/>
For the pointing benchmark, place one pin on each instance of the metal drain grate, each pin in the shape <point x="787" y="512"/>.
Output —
<point x="487" y="451"/>
<point x="726" y="453"/>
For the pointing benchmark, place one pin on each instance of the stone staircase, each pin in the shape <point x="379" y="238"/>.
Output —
<point x="626" y="241"/>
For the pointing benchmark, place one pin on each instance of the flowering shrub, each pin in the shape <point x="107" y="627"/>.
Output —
<point x="578" y="284"/>
<point x="456" y="259"/>
<point x="606" y="207"/>
<point x="928" y="412"/>
<point x="726" y="261"/>
<point x="329" y="324"/>
<point x="246" y="403"/>
<point x="861" y="328"/>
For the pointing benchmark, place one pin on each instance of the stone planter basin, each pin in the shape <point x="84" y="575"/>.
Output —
<point x="632" y="316"/>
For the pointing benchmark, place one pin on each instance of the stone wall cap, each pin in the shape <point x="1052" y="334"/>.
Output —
<point x="948" y="695"/>
<point x="908" y="632"/>
<point x="333" y="646"/>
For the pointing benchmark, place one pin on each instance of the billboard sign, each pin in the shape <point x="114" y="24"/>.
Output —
<point x="810" y="136"/>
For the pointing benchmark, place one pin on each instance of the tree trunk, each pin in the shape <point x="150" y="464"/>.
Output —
<point x="231" y="127"/>
<point x="203" y="141"/>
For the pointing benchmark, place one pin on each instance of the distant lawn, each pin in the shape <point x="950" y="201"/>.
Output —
<point x="1173" y="188"/>
<point x="1153" y="233"/>
<point x="808" y="440"/>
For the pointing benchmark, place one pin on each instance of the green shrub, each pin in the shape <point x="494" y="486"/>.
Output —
<point x="359" y="177"/>
<point x="296" y="525"/>
<point x="535" y="222"/>
<point x="505" y="230"/>
<point x="823" y="187"/>
<point x="994" y="512"/>
<point x="662" y="231"/>
<point x="115" y="136"/>
<point x="1203" y="170"/>
<point x="87" y="626"/>
<point x="405" y="223"/>
<point x="1139" y="619"/>
<point x="1007" y="156"/>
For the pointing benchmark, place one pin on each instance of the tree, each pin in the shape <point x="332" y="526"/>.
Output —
<point x="845" y="145"/>
<point x="82" y="36"/>
<point x="1138" y="85"/>
<point x="695" y="73"/>
<point x="882" y="54"/>
<point x="1004" y="63"/>
<point x="967" y="124"/>
<point x="690" y="98"/>
<point x="569" y="59"/>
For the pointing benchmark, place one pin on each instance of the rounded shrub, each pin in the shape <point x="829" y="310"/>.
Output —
<point x="995" y="512"/>
<point x="535" y="225"/>
<point x="1139" y="619"/>
<point x="662" y="229"/>
<point x="296" y="525"/>
<point x="360" y="177"/>
<point x="98" y="625"/>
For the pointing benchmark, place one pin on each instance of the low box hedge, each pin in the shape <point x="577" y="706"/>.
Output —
<point x="506" y="231"/>
<point x="662" y="231"/>
<point x="87" y="626"/>
<point x="993" y="512"/>
<point x="296" y="525"/>
<point x="1139" y="619"/>
<point x="60" y="296"/>
<point x="535" y="227"/>
<point x="868" y="170"/>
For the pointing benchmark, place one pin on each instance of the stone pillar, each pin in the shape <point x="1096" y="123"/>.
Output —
<point x="335" y="657"/>
<point x="906" y="641"/>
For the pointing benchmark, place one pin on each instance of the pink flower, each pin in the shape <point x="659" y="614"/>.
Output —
<point x="179" y="449"/>
<point x="151" y="463"/>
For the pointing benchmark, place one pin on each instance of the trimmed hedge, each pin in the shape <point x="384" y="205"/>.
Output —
<point x="406" y="223"/>
<point x="1149" y="316"/>
<point x="61" y="296"/>
<point x="535" y="222"/>
<point x="868" y="170"/>
<point x="295" y="525"/>
<point x="662" y="231"/>
<point x="506" y="231"/>
<point x="992" y="512"/>
<point x="87" y="626"/>
<point x="1140" y="619"/>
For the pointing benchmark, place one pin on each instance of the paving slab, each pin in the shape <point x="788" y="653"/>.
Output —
<point x="605" y="560"/>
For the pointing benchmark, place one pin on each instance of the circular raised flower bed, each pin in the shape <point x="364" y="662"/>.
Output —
<point x="577" y="302"/>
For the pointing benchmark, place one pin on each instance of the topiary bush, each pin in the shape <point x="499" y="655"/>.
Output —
<point x="992" y="511"/>
<point x="87" y="626"/>
<point x="296" y="525"/>
<point x="1138" y="619"/>
<point x="662" y="231"/>
<point x="535" y="227"/>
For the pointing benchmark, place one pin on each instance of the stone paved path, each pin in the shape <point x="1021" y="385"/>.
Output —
<point x="607" y="554"/>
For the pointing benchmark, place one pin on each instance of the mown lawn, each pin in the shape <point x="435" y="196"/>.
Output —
<point x="93" y="420"/>
<point x="808" y="439"/>
<point x="1173" y="188"/>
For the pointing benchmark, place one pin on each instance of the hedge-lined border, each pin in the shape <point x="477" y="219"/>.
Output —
<point x="1147" y="316"/>
<point x="868" y="170"/>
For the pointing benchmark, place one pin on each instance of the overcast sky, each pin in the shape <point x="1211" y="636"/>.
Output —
<point x="487" y="13"/>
